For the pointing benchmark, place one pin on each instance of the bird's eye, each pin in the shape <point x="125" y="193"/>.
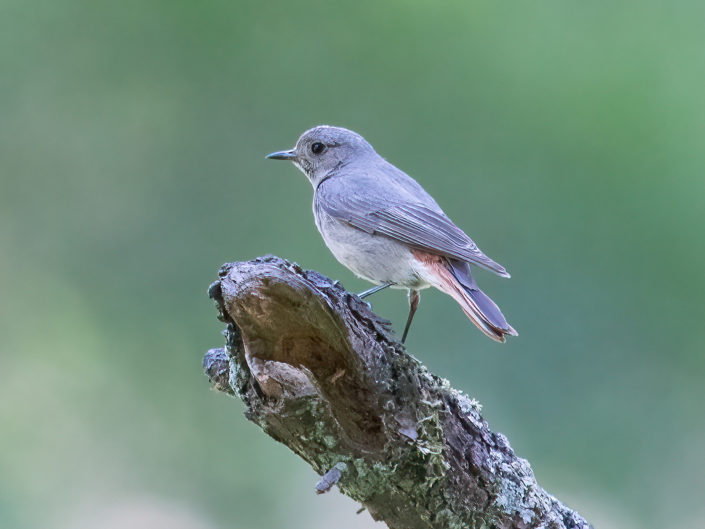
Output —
<point x="318" y="148"/>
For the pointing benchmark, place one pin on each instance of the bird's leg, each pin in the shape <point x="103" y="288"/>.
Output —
<point x="414" y="298"/>
<point x="363" y="295"/>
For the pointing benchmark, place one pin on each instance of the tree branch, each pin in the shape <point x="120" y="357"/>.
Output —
<point x="322" y="374"/>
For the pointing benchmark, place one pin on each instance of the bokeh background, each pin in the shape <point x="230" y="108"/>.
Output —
<point x="565" y="137"/>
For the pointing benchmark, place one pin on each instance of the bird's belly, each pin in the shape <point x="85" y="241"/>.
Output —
<point x="375" y="258"/>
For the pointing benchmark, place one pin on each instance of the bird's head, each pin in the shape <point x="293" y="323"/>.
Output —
<point x="323" y="149"/>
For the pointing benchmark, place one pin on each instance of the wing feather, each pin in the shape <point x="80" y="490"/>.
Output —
<point x="401" y="218"/>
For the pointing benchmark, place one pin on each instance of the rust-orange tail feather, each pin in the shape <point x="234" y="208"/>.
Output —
<point x="453" y="277"/>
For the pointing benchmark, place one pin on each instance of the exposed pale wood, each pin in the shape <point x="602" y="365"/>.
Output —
<point x="322" y="374"/>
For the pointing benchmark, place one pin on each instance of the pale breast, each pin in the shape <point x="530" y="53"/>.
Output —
<point x="375" y="258"/>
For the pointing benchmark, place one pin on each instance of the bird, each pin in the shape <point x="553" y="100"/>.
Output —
<point x="383" y="226"/>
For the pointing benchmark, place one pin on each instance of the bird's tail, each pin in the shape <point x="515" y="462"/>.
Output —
<point x="454" y="278"/>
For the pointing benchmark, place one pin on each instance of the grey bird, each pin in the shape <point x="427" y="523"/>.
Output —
<point x="381" y="224"/>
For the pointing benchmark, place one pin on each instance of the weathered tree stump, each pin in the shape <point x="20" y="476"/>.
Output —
<point x="322" y="374"/>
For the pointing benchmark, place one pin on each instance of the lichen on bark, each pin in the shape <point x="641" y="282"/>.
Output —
<point x="319" y="372"/>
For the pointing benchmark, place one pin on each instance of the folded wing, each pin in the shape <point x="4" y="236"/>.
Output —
<point x="420" y="226"/>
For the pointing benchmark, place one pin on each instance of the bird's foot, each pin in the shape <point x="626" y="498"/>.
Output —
<point x="369" y="292"/>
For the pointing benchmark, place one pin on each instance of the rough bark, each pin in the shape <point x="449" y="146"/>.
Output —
<point x="322" y="374"/>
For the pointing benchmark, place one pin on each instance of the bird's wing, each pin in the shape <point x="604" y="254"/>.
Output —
<point x="394" y="215"/>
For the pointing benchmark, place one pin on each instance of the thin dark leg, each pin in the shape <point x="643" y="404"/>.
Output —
<point x="363" y="295"/>
<point x="414" y="298"/>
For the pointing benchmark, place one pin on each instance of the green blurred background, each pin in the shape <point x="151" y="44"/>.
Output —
<point x="565" y="137"/>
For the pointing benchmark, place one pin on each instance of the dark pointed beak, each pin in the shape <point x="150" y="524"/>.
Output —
<point x="282" y="155"/>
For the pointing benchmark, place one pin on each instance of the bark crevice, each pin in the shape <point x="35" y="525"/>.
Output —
<point x="319" y="372"/>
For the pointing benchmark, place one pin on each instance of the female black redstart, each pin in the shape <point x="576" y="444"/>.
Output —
<point x="382" y="225"/>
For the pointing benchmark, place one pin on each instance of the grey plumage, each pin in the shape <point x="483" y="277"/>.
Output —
<point x="386" y="228"/>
